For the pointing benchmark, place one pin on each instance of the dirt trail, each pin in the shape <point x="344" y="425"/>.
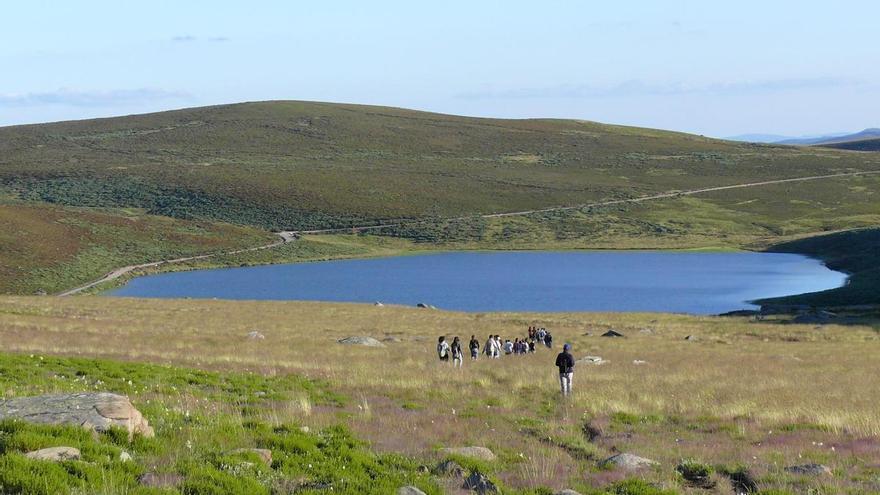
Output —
<point x="290" y="235"/>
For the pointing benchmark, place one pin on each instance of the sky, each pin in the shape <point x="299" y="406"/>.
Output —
<point x="718" y="68"/>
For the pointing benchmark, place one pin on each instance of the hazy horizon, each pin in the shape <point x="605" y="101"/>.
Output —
<point x="790" y="68"/>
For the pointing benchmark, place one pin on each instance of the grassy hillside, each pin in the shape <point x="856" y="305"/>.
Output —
<point x="858" y="145"/>
<point x="855" y="252"/>
<point x="300" y="165"/>
<point x="810" y="396"/>
<point x="46" y="248"/>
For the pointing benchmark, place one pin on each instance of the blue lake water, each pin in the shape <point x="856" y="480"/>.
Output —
<point x="699" y="283"/>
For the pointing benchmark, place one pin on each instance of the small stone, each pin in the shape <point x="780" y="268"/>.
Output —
<point x="449" y="468"/>
<point x="612" y="333"/>
<point x="361" y="340"/>
<point x="810" y="470"/>
<point x="479" y="483"/>
<point x="55" y="454"/>
<point x="378" y="304"/>
<point x="627" y="461"/>
<point x="304" y="429"/>
<point x="691" y="338"/>
<point x="255" y="335"/>
<point x="124" y="456"/>
<point x="592" y="360"/>
<point x="481" y="453"/>
<point x="567" y="491"/>
<point x="409" y="490"/>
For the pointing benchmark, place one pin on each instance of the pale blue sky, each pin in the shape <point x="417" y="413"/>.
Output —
<point x="710" y="67"/>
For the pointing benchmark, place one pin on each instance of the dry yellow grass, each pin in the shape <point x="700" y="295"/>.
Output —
<point x="719" y="397"/>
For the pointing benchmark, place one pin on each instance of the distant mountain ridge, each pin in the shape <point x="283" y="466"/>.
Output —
<point x="833" y="139"/>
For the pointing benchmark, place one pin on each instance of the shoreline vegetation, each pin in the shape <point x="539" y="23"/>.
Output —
<point x="719" y="395"/>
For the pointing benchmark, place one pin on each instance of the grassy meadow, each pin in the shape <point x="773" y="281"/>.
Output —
<point x="740" y="395"/>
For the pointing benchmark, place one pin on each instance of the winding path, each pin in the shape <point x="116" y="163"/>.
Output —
<point x="290" y="235"/>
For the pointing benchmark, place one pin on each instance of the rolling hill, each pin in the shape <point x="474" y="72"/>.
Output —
<point x="247" y="168"/>
<point x="872" y="144"/>
<point x="832" y="138"/>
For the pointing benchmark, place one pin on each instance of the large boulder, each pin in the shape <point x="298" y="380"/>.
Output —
<point x="361" y="340"/>
<point x="481" y="453"/>
<point x="95" y="410"/>
<point x="627" y="461"/>
<point x="55" y="454"/>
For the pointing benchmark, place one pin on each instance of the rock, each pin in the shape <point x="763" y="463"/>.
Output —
<point x="265" y="455"/>
<point x="304" y="429"/>
<point x="378" y="304"/>
<point x="423" y="469"/>
<point x="361" y="340"/>
<point x="742" y="481"/>
<point x="691" y="338"/>
<point x="627" y="461"/>
<point x="697" y="475"/>
<point x="450" y="469"/>
<point x="639" y="361"/>
<point x="612" y="333"/>
<point x="567" y="491"/>
<point x="409" y="490"/>
<point x="809" y="470"/>
<point x="479" y="483"/>
<point x="160" y="480"/>
<point x="425" y="306"/>
<point x="255" y="335"/>
<point x="591" y="360"/>
<point x="55" y="454"/>
<point x="124" y="456"/>
<point x="99" y="411"/>
<point x="647" y="331"/>
<point x="481" y="453"/>
<point x="393" y="340"/>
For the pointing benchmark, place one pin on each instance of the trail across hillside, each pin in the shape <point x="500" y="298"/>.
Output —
<point x="290" y="235"/>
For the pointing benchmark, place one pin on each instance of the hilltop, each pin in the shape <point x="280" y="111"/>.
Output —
<point x="248" y="168"/>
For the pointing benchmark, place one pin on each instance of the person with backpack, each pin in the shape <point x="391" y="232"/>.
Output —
<point x="443" y="349"/>
<point x="457" y="355"/>
<point x="548" y="340"/>
<point x="474" y="346"/>
<point x="565" y="363"/>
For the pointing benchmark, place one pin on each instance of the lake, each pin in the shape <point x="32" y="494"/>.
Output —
<point x="679" y="282"/>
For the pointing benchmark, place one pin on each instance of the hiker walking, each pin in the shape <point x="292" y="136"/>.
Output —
<point x="457" y="356"/>
<point x="489" y="347"/>
<point x="548" y="340"/>
<point x="474" y="346"/>
<point x="496" y="347"/>
<point x="443" y="349"/>
<point x="565" y="363"/>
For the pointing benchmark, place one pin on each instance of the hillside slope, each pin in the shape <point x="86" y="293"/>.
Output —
<point x="289" y="165"/>
<point x="299" y="166"/>
<point x="872" y="144"/>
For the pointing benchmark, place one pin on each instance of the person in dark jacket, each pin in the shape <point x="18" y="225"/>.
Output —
<point x="457" y="355"/>
<point x="474" y="346"/>
<point x="565" y="363"/>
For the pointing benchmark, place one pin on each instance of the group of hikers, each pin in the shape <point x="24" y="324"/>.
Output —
<point x="493" y="348"/>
